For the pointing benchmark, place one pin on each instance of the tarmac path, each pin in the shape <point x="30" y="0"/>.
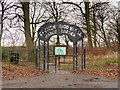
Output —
<point x="61" y="79"/>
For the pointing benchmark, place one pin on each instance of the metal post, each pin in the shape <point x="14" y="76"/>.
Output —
<point x="55" y="64"/>
<point x="73" y="57"/>
<point x="39" y="54"/>
<point x="48" y="56"/>
<point x="82" y="56"/>
<point x="9" y="57"/>
<point x="44" y="55"/>
<point x="64" y="58"/>
<point x="36" y="59"/>
<point x="0" y="53"/>
<point x="76" y="55"/>
<point x="58" y="62"/>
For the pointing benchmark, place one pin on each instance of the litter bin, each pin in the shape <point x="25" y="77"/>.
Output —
<point x="14" y="58"/>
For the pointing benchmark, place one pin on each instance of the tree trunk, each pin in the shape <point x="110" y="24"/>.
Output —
<point x="56" y="20"/>
<point x="87" y="17"/>
<point x="104" y="34"/>
<point x="1" y="23"/>
<point x="118" y="24"/>
<point x="118" y="31"/>
<point x="29" y="40"/>
<point x="1" y="31"/>
<point x="95" y="27"/>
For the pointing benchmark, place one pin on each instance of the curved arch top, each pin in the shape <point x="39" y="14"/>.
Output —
<point x="47" y="30"/>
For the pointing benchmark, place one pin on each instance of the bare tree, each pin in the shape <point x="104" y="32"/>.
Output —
<point x="4" y="7"/>
<point x="86" y="14"/>
<point x="112" y="28"/>
<point x="93" y="18"/>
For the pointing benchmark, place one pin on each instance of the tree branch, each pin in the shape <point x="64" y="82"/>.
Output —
<point x="76" y="6"/>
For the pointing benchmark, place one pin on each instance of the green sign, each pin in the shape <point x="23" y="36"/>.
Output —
<point x="60" y="50"/>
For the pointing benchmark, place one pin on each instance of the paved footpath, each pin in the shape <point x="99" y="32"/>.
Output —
<point x="61" y="80"/>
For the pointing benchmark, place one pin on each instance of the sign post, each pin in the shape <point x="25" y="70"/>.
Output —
<point x="60" y="50"/>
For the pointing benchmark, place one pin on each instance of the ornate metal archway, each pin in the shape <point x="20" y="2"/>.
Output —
<point x="50" y="29"/>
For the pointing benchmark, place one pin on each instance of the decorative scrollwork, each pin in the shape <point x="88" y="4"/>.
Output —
<point x="49" y="29"/>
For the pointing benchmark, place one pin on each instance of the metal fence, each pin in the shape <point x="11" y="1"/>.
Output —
<point x="101" y="58"/>
<point x="96" y="58"/>
<point x="7" y="51"/>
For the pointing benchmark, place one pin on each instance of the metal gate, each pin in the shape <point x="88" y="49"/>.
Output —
<point x="42" y="50"/>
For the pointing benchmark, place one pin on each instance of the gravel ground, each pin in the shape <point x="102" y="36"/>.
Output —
<point x="61" y="79"/>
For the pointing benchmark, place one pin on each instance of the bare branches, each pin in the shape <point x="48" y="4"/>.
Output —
<point x="75" y="5"/>
<point x="40" y="12"/>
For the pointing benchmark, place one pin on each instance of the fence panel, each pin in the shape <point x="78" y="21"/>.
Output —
<point x="102" y="59"/>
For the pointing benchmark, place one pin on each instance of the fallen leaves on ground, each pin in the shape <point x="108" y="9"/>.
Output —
<point x="109" y="73"/>
<point x="23" y="69"/>
<point x="112" y="72"/>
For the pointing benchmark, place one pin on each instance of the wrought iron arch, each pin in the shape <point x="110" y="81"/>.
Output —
<point x="49" y="29"/>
